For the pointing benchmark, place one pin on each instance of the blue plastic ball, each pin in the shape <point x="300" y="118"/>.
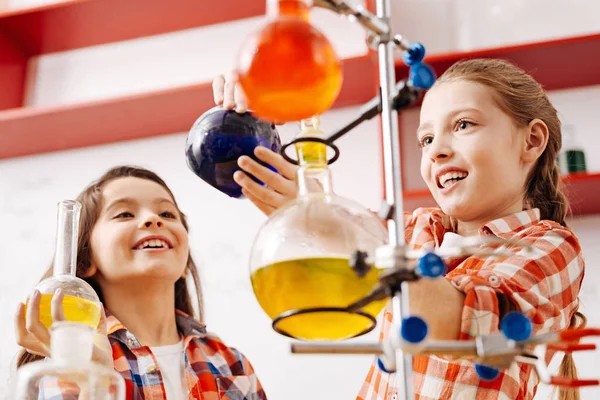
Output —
<point x="431" y="265"/>
<point x="413" y="329"/>
<point x="421" y="75"/>
<point x="382" y="367"/>
<point x="486" y="373"/>
<point x="414" y="54"/>
<point x="516" y="326"/>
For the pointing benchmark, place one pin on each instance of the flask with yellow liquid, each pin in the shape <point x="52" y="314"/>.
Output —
<point x="80" y="302"/>
<point x="300" y="268"/>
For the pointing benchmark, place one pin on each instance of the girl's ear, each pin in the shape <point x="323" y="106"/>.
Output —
<point x="89" y="272"/>
<point x="534" y="141"/>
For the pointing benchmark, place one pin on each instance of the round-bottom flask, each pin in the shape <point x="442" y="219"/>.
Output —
<point x="300" y="260"/>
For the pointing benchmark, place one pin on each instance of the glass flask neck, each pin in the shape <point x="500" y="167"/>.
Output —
<point x="314" y="175"/>
<point x="314" y="180"/>
<point x="71" y="342"/>
<point x="289" y="8"/>
<point x="66" y="238"/>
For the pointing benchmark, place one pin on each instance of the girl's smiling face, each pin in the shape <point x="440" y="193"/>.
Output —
<point x="471" y="152"/>
<point x="139" y="234"/>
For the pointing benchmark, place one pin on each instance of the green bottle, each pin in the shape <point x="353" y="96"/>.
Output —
<point x="571" y="158"/>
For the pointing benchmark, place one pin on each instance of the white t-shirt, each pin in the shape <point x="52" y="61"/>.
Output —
<point x="171" y="363"/>
<point x="452" y="239"/>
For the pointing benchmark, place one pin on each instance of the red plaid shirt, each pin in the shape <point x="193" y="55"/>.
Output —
<point x="542" y="282"/>
<point x="213" y="371"/>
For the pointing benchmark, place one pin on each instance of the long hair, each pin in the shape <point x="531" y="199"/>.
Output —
<point x="91" y="199"/>
<point x="523" y="98"/>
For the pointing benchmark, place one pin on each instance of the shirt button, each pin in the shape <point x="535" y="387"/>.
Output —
<point x="131" y="342"/>
<point x="494" y="281"/>
<point x="151" y="369"/>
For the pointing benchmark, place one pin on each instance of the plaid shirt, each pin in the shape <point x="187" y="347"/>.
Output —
<point x="543" y="283"/>
<point x="213" y="371"/>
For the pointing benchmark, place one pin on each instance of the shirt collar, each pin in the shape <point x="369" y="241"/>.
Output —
<point x="186" y="324"/>
<point x="504" y="227"/>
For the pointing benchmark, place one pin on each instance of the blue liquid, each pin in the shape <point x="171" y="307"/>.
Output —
<point x="216" y="141"/>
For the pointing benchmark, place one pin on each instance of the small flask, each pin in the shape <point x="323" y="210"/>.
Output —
<point x="80" y="303"/>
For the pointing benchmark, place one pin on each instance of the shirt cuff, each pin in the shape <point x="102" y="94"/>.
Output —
<point x="480" y="314"/>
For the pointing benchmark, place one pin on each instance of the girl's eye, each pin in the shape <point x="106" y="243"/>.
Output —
<point x="425" y="141"/>
<point x="124" y="214"/>
<point x="463" y="124"/>
<point x="167" y="214"/>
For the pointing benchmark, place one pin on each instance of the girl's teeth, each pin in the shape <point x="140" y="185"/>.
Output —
<point x="156" y="243"/>
<point x="449" y="178"/>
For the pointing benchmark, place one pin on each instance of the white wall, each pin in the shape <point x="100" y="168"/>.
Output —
<point x="31" y="186"/>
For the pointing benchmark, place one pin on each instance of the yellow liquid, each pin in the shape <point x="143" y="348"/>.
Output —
<point x="75" y="309"/>
<point x="316" y="282"/>
<point x="312" y="153"/>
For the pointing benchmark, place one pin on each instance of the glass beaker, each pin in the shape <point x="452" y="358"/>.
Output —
<point x="289" y="70"/>
<point x="69" y="373"/>
<point x="80" y="302"/>
<point x="300" y="260"/>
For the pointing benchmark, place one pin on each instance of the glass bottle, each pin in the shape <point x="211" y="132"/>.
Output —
<point x="571" y="158"/>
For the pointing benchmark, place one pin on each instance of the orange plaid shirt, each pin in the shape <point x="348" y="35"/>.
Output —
<point x="542" y="282"/>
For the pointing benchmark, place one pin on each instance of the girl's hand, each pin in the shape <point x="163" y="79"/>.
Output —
<point x="281" y="187"/>
<point x="228" y="93"/>
<point x="32" y="335"/>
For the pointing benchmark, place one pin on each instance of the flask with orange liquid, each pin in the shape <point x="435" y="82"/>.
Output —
<point x="289" y="70"/>
<point x="80" y="302"/>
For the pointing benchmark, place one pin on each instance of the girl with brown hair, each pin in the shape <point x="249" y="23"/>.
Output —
<point x="489" y="137"/>
<point x="133" y="250"/>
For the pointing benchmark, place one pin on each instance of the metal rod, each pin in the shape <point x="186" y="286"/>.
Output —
<point x="407" y="357"/>
<point x="393" y="183"/>
<point x="338" y="348"/>
<point x="389" y="125"/>
<point x="356" y="13"/>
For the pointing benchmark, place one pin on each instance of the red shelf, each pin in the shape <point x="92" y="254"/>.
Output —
<point x="27" y="131"/>
<point x="75" y="24"/>
<point x="556" y="64"/>
<point x="80" y="23"/>
<point x="583" y="191"/>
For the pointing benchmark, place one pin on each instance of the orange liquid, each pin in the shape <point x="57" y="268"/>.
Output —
<point x="75" y="309"/>
<point x="289" y="70"/>
<point x="294" y="8"/>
